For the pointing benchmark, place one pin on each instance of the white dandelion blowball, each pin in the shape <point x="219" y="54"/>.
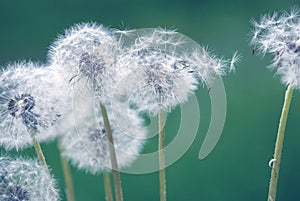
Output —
<point x="152" y="75"/>
<point x="160" y="68"/>
<point x="86" y="55"/>
<point x="32" y="101"/>
<point x="279" y="35"/>
<point x="86" y="145"/>
<point x="25" y="180"/>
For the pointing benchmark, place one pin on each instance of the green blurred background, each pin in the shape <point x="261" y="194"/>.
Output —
<point x="237" y="169"/>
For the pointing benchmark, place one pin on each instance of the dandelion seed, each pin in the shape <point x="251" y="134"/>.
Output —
<point x="235" y="59"/>
<point x="86" y="56"/>
<point x="32" y="100"/>
<point x="25" y="180"/>
<point x="279" y="35"/>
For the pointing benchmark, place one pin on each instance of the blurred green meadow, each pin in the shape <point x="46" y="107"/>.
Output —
<point x="237" y="169"/>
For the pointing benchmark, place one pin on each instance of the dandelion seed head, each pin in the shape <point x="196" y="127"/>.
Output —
<point x="24" y="180"/>
<point x="32" y="101"/>
<point x="278" y="34"/>
<point x="154" y="76"/>
<point x="85" y="55"/>
<point x="86" y="146"/>
<point x="160" y="68"/>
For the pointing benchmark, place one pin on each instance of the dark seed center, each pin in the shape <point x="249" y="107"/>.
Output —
<point x="16" y="193"/>
<point x="294" y="47"/>
<point x="20" y="105"/>
<point x="90" y="65"/>
<point x="97" y="135"/>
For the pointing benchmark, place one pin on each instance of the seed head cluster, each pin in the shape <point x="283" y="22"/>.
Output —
<point x="150" y="70"/>
<point x="130" y="72"/>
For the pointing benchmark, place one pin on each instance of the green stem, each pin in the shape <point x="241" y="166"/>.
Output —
<point x="40" y="153"/>
<point x="161" y="156"/>
<point x="279" y="144"/>
<point x="112" y="153"/>
<point x="107" y="186"/>
<point x="68" y="177"/>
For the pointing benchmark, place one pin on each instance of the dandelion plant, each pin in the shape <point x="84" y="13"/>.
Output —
<point x="279" y="35"/>
<point x="158" y="70"/>
<point x="86" y="55"/>
<point x="31" y="104"/>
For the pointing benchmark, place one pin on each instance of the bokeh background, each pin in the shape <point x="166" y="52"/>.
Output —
<point x="237" y="169"/>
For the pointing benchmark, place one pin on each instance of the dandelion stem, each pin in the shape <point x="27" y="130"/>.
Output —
<point x="279" y="144"/>
<point x="107" y="186"/>
<point x="40" y="153"/>
<point x="68" y="177"/>
<point x="161" y="156"/>
<point x="112" y="153"/>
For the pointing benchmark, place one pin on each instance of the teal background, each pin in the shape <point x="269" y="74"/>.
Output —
<point x="237" y="169"/>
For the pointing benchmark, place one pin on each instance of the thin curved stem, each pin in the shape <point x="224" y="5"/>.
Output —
<point x="113" y="157"/>
<point x="68" y="177"/>
<point x="279" y="144"/>
<point x="40" y="153"/>
<point x="161" y="156"/>
<point x="107" y="186"/>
